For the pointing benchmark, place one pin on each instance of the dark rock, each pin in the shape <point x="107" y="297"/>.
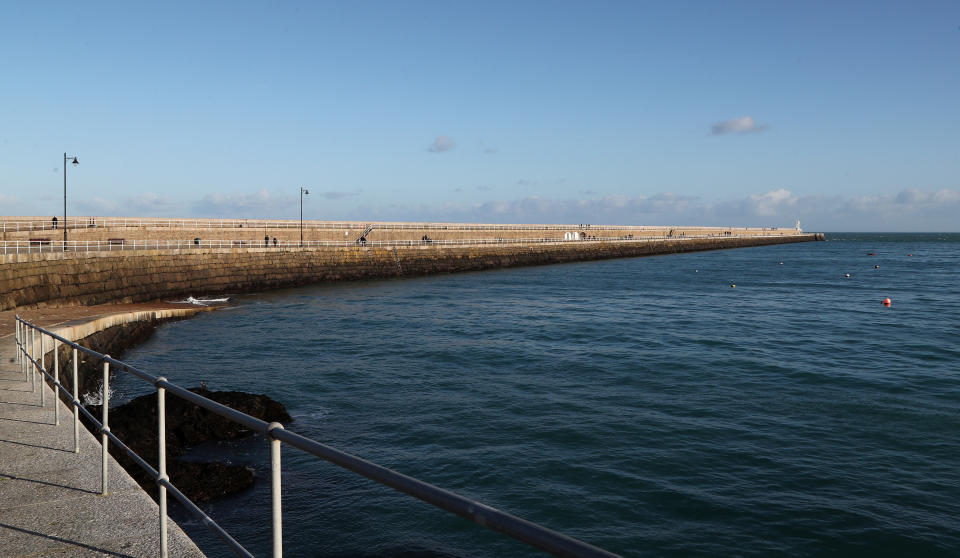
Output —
<point x="187" y="425"/>
<point x="207" y="481"/>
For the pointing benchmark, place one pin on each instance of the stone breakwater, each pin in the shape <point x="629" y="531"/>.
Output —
<point x="59" y="279"/>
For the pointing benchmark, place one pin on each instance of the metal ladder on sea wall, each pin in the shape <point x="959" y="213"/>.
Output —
<point x="397" y="256"/>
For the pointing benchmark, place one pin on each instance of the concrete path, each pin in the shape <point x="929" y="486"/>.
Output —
<point x="50" y="502"/>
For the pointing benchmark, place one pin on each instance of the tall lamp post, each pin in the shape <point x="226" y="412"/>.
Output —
<point x="64" y="224"/>
<point x="302" y="192"/>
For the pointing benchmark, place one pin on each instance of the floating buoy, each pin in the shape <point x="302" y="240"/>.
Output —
<point x="781" y="263"/>
<point x="872" y="254"/>
<point x="886" y="302"/>
<point x="909" y="254"/>
<point x="733" y="286"/>
<point x="696" y="271"/>
<point x="847" y="275"/>
<point x="876" y="267"/>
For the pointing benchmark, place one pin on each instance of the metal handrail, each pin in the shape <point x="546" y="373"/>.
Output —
<point x="14" y="225"/>
<point x="34" y="246"/>
<point x="525" y="531"/>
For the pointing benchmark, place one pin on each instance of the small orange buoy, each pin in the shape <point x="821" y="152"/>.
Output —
<point x="886" y="302"/>
<point x="909" y="254"/>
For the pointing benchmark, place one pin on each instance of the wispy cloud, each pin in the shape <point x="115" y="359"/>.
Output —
<point x="442" y="144"/>
<point x="525" y="182"/>
<point x="261" y="202"/>
<point x="142" y="205"/>
<point x="484" y="188"/>
<point x="742" y="125"/>
<point x="333" y="195"/>
<point x="908" y="210"/>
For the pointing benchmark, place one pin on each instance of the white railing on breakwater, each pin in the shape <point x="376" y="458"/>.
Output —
<point x="17" y="225"/>
<point x="46" y="246"/>
<point x="33" y="361"/>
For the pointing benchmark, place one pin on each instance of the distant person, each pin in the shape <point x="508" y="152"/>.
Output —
<point x="266" y="241"/>
<point x="274" y="242"/>
<point x="54" y="222"/>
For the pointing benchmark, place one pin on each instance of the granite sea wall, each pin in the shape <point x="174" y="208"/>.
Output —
<point x="58" y="279"/>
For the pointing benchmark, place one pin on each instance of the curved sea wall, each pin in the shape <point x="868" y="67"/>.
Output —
<point x="58" y="279"/>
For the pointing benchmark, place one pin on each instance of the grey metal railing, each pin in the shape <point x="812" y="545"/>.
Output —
<point x="33" y="247"/>
<point x="39" y="224"/>
<point x="33" y="361"/>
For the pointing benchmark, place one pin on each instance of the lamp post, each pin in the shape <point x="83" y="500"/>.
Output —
<point x="64" y="224"/>
<point x="302" y="192"/>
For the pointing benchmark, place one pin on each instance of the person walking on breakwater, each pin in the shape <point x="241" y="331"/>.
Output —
<point x="266" y="241"/>
<point x="274" y="242"/>
<point x="54" y="222"/>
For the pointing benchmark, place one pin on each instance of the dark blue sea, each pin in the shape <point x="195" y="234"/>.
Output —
<point x="643" y="405"/>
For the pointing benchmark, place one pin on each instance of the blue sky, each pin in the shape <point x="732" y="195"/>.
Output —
<point x="842" y="115"/>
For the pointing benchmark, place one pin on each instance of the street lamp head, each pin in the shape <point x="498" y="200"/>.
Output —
<point x="306" y="192"/>
<point x="75" y="161"/>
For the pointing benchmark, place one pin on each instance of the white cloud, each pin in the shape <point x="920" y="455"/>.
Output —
<point x="142" y="205"/>
<point x="441" y="144"/>
<point x="334" y="195"/>
<point x="771" y="203"/>
<point x="920" y="197"/>
<point x="909" y="210"/>
<point x="257" y="204"/>
<point x="742" y="125"/>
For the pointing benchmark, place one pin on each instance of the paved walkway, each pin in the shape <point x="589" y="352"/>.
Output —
<point x="50" y="502"/>
<point x="46" y="317"/>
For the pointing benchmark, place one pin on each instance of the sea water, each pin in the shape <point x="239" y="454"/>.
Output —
<point x="644" y="405"/>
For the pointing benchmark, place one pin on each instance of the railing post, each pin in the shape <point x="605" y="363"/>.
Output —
<point x="24" y="361"/>
<point x="43" y="369"/>
<point x="162" y="462"/>
<point x="76" y="411"/>
<point x="33" y="357"/>
<point x="106" y="428"/>
<point x="56" y="382"/>
<point x="275" y="499"/>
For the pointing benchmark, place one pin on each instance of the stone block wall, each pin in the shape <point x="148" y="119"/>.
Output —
<point x="57" y="279"/>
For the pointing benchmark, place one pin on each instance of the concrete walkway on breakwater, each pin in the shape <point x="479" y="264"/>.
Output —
<point x="50" y="502"/>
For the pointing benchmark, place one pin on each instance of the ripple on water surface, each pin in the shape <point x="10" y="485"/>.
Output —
<point x="639" y="404"/>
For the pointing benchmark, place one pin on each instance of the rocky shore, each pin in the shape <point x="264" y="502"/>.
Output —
<point x="187" y="426"/>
